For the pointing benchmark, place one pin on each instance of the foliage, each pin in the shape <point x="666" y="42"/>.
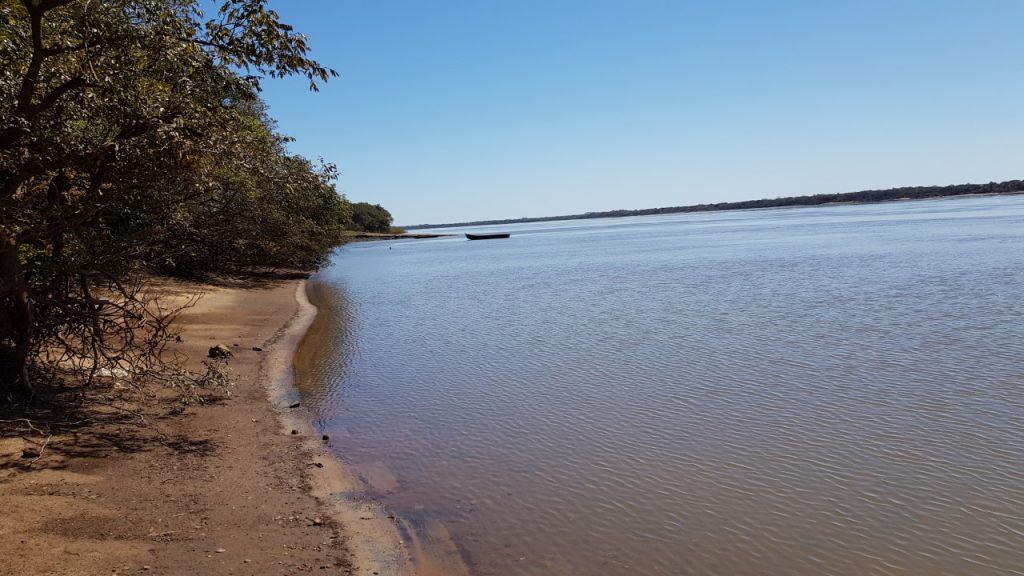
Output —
<point x="133" y="140"/>
<point x="368" y="217"/>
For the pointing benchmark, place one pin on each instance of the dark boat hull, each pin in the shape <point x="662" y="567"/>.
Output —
<point x="486" y="236"/>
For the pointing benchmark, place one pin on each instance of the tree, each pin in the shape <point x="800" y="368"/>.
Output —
<point x="132" y="139"/>
<point x="368" y="217"/>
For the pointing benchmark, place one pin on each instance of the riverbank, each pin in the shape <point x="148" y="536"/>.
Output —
<point x="366" y="236"/>
<point x="238" y="486"/>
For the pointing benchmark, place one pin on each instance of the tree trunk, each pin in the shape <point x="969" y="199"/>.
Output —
<point x="16" y="322"/>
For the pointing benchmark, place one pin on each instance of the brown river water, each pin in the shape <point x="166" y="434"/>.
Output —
<point x="834" y="390"/>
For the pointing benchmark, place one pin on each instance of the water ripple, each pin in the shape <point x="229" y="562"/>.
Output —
<point x="831" y="391"/>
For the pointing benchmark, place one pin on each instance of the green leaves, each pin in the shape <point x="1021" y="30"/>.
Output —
<point x="250" y="37"/>
<point x="132" y="138"/>
<point x="368" y="217"/>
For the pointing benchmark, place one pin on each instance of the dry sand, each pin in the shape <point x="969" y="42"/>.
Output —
<point x="226" y="488"/>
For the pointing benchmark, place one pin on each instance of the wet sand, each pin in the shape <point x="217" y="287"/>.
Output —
<point x="226" y="488"/>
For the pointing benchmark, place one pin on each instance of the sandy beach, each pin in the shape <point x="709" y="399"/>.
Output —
<point x="238" y="486"/>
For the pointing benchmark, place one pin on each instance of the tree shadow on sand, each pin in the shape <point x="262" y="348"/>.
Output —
<point x="75" y="425"/>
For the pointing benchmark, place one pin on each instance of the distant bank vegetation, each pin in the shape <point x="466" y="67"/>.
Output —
<point x="133" y="142"/>
<point x="910" y="193"/>
<point x="366" y="217"/>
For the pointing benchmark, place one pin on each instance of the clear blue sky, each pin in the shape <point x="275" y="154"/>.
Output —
<point x="459" y="110"/>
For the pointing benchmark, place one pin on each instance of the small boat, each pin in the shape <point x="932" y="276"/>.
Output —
<point x="486" y="236"/>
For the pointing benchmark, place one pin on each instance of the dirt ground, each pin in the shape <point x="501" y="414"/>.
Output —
<point x="225" y="488"/>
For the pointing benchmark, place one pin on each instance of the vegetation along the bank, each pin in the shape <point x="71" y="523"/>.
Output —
<point x="907" y="193"/>
<point x="133" y="142"/>
<point x="368" y="217"/>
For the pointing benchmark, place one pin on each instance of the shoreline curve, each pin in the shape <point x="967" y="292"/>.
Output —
<point x="373" y="539"/>
<point x="424" y="546"/>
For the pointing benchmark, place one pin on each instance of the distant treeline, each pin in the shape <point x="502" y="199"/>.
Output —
<point x="908" y="193"/>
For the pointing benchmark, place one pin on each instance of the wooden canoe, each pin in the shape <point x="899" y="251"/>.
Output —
<point x="486" y="236"/>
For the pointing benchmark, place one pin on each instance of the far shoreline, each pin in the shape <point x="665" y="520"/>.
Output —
<point x="1014" y="187"/>
<point x="371" y="236"/>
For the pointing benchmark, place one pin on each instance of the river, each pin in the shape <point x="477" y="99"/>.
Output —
<point x="834" y="390"/>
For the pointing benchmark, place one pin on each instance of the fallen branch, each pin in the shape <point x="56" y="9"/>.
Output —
<point x="41" y="448"/>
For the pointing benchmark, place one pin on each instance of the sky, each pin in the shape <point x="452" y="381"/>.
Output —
<point x="449" y="111"/>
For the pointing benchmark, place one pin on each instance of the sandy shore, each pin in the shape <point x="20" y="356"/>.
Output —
<point x="226" y="488"/>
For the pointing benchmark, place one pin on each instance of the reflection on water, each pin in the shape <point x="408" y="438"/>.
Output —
<point x="833" y="390"/>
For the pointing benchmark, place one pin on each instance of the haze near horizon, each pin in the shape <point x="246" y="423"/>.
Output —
<point x="454" y="111"/>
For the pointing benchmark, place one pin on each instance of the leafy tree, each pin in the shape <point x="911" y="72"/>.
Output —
<point x="368" y="217"/>
<point x="132" y="139"/>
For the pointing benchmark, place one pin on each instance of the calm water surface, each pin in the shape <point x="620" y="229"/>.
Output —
<point x="834" y="390"/>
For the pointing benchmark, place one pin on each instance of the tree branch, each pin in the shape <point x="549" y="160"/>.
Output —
<point x="51" y="98"/>
<point x="28" y="83"/>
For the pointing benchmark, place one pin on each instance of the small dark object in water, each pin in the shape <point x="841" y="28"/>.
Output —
<point x="325" y="438"/>
<point x="294" y="405"/>
<point x="487" y="236"/>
